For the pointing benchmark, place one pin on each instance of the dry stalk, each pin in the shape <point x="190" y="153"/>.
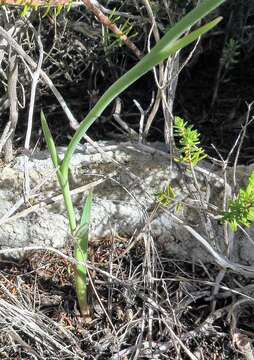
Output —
<point x="117" y="116"/>
<point x="90" y="5"/>
<point x="156" y="34"/>
<point x="105" y="21"/>
<point x="48" y="336"/>
<point x="74" y="124"/>
<point x="35" y="79"/>
<point x="241" y="340"/>
<point x="48" y="200"/>
<point x="13" y="100"/>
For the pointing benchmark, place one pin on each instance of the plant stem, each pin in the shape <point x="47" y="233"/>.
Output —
<point x="65" y="187"/>
<point x="80" y="255"/>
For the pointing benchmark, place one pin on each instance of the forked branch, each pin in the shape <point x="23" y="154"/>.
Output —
<point x="92" y="6"/>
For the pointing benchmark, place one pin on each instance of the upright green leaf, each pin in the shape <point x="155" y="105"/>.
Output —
<point x="50" y="141"/>
<point x="81" y="254"/>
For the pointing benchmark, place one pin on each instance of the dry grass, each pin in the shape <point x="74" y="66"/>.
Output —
<point x="143" y="307"/>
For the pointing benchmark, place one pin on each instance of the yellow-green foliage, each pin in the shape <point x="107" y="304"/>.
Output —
<point x="25" y="10"/>
<point x="50" y="9"/>
<point x="190" y="152"/>
<point x="166" y="197"/>
<point x="112" y="40"/>
<point x="241" y="209"/>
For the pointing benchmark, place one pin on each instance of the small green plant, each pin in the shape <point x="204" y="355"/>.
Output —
<point x="230" y="54"/>
<point x="80" y="232"/>
<point x="111" y="40"/>
<point x="169" y="44"/>
<point x="166" y="197"/>
<point x="241" y="209"/>
<point x="50" y="10"/>
<point x="25" y="11"/>
<point x="191" y="152"/>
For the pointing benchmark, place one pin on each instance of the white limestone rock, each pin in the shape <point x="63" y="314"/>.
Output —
<point x="125" y="203"/>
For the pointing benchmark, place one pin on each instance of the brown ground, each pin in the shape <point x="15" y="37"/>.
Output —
<point x="145" y="310"/>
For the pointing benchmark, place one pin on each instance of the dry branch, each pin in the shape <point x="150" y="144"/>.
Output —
<point x="13" y="100"/>
<point x="104" y="20"/>
<point x="90" y="5"/>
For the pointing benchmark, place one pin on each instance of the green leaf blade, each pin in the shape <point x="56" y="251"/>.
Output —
<point x="50" y="141"/>
<point x="167" y="46"/>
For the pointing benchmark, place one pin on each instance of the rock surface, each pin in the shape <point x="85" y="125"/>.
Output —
<point x="125" y="201"/>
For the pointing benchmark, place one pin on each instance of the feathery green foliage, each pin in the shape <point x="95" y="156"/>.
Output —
<point x="241" y="209"/>
<point x="190" y="152"/>
<point x="230" y="54"/>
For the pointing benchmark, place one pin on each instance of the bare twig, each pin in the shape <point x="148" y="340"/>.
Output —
<point x="12" y="93"/>
<point x="39" y="328"/>
<point x="21" y="201"/>
<point x="242" y="341"/>
<point x="72" y="260"/>
<point x="35" y="79"/>
<point x="5" y="135"/>
<point x="104" y="20"/>
<point x="73" y="121"/>
<point x="168" y="97"/>
<point x="156" y="34"/>
<point x="132" y="133"/>
<point x="248" y="121"/>
<point x="180" y="342"/>
<point x="16" y="47"/>
<point x="141" y="121"/>
<point x="48" y="200"/>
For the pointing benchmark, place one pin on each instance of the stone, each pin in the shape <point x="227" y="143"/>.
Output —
<point x="125" y="201"/>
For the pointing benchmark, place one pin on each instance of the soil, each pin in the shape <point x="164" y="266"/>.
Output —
<point x="136" y="315"/>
